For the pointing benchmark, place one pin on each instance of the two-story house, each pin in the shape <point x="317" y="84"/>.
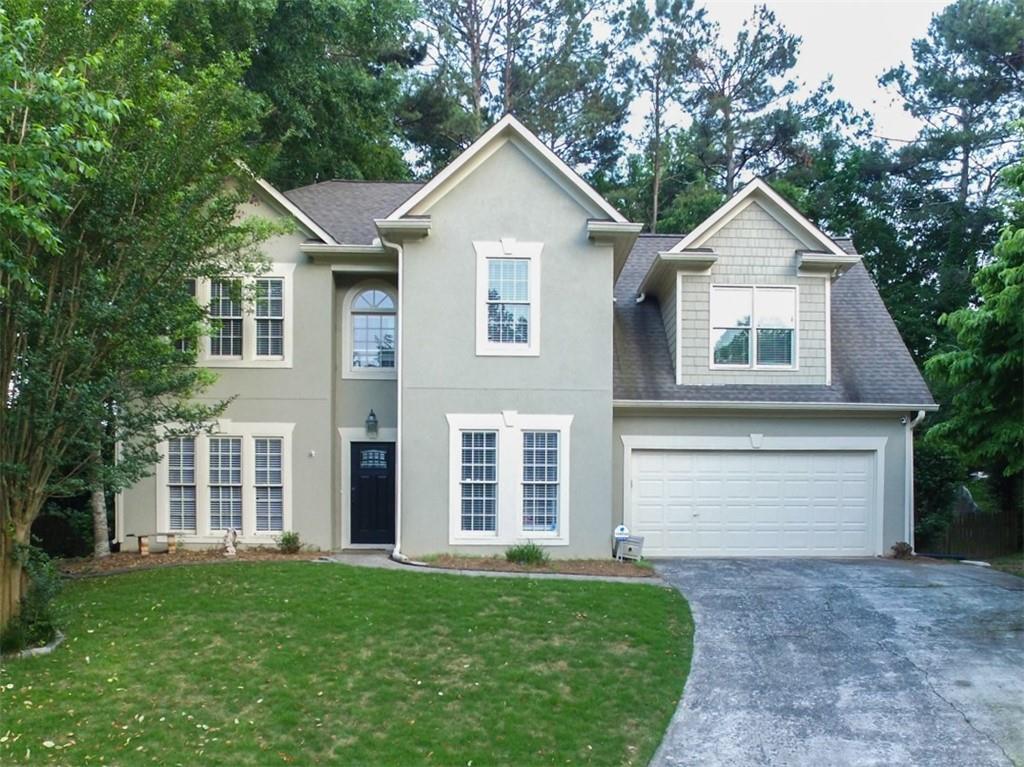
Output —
<point x="498" y="356"/>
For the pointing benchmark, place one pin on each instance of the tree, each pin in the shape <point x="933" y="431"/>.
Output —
<point x="985" y="370"/>
<point x="120" y="181"/>
<point x="538" y="59"/>
<point x="746" y="119"/>
<point x="331" y="71"/>
<point x="965" y="84"/>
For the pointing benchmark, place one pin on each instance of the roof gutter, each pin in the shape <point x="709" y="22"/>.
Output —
<point x="870" y="407"/>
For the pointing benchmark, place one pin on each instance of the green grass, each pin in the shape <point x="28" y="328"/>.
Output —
<point x="300" y="663"/>
<point x="1011" y="563"/>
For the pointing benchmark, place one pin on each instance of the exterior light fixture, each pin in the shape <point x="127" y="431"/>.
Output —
<point x="371" y="424"/>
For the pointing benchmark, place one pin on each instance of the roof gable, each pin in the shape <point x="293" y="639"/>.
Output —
<point x="773" y="204"/>
<point x="505" y="130"/>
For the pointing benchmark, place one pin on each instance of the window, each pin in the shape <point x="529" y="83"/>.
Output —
<point x="270" y="317"/>
<point x="508" y="297"/>
<point x="269" y="485"/>
<point x="508" y="478"/>
<point x="225" y="483"/>
<point x="753" y="327"/>
<point x="226" y="311"/>
<point x="479" y="481"/>
<point x="372" y="320"/>
<point x="508" y="301"/>
<point x="540" y="480"/>
<point x="181" y="483"/>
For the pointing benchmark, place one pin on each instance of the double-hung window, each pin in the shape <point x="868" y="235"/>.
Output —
<point x="508" y="297"/>
<point x="753" y="327"/>
<point x="373" y="331"/>
<point x="181" y="483"/>
<point x="479" y="483"/>
<point x="508" y="478"/>
<point x="540" y="481"/>
<point x="225" y="483"/>
<point x="269" y="485"/>
<point x="270" y="317"/>
<point x="226" y="313"/>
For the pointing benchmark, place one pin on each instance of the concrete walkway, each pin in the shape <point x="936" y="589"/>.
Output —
<point x="856" y="662"/>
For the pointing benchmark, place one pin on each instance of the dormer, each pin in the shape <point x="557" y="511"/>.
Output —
<point x="745" y="297"/>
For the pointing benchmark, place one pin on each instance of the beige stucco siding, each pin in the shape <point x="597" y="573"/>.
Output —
<point x="299" y="394"/>
<point x="507" y="196"/>
<point x="812" y="427"/>
<point x="753" y="249"/>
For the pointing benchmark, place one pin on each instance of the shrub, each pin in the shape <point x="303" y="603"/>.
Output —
<point x="288" y="542"/>
<point x="65" y="529"/>
<point x="37" y="621"/>
<point x="902" y="550"/>
<point x="938" y="472"/>
<point x="526" y="554"/>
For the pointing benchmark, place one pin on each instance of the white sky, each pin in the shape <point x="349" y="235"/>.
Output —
<point x="853" y="40"/>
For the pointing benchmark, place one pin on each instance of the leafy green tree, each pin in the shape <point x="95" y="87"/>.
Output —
<point x="119" y="181"/>
<point x="332" y="73"/>
<point x="985" y="370"/>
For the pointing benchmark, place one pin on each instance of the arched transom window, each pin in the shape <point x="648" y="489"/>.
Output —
<point x="373" y="330"/>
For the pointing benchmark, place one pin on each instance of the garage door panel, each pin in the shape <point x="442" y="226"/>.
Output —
<point x="752" y="503"/>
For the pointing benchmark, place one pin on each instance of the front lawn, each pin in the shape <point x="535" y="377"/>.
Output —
<point x="301" y="663"/>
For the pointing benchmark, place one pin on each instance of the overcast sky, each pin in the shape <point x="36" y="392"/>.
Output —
<point x="853" y="40"/>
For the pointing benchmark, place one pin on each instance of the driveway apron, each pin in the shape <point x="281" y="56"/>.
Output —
<point x="849" y="662"/>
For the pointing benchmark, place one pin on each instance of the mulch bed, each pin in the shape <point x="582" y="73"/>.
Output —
<point x="562" y="566"/>
<point x="128" y="561"/>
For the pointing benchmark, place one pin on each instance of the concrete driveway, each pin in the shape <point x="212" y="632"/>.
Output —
<point x="849" y="662"/>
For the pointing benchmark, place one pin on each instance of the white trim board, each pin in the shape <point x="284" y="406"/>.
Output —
<point x="759" y="442"/>
<point x="826" y="408"/>
<point x="511" y="249"/>
<point x="348" y="435"/>
<point x="294" y="211"/>
<point x="506" y="128"/>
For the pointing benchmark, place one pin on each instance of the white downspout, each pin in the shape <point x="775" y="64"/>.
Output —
<point x="909" y="470"/>
<point x="396" y="553"/>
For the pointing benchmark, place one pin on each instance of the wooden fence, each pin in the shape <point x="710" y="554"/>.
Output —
<point x="977" y="535"/>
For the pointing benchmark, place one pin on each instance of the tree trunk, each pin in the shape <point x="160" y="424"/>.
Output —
<point x="656" y="191"/>
<point x="98" y="501"/>
<point x="12" y="576"/>
<point x="730" y="152"/>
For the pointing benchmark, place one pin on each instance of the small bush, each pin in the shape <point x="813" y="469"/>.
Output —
<point x="37" y="621"/>
<point x="288" y="542"/>
<point x="526" y="554"/>
<point x="902" y="550"/>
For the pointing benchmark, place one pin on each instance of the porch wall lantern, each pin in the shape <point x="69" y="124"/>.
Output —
<point x="371" y="424"/>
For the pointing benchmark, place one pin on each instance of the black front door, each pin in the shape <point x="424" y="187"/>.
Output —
<point x="373" y="492"/>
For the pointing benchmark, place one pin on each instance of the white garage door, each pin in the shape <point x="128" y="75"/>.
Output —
<point x="753" y="503"/>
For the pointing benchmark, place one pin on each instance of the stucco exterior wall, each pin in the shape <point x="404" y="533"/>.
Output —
<point x="300" y="393"/>
<point x="507" y="196"/>
<point x="753" y="249"/>
<point x="887" y="427"/>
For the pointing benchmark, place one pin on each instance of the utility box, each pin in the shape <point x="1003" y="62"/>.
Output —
<point x="629" y="548"/>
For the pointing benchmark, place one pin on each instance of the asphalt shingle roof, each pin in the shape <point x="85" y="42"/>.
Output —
<point x="346" y="209"/>
<point x="870" y="362"/>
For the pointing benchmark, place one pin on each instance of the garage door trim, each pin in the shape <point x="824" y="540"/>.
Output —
<point x="758" y="442"/>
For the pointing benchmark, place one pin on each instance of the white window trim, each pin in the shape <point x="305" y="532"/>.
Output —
<point x="347" y="371"/>
<point x="249" y="432"/>
<point x="249" y="358"/>
<point x="507" y="247"/>
<point x="752" y="365"/>
<point x="509" y="426"/>
<point x="875" y="445"/>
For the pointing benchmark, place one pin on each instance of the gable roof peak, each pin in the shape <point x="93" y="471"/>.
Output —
<point x="493" y="138"/>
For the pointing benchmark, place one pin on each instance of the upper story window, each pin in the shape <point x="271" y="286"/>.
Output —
<point x="250" y="319"/>
<point x="508" y="297"/>
<point x="753" y="327"/>
<point x="226" y="313"/>
<point x="371" y="336"/>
